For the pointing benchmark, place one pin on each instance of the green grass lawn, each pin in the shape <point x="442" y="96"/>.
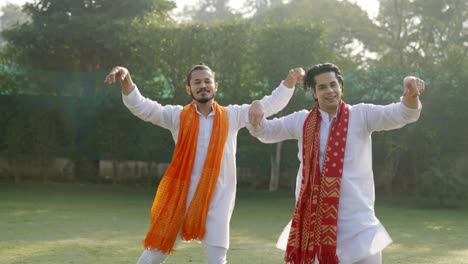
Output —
<point x="63" y="223"/>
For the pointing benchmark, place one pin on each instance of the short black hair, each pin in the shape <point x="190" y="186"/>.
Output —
<point x="309" y="78"/>
<point x="197" y="67"/>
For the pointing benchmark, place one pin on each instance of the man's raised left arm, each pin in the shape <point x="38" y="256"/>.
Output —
<point x="396" y="115"/>
<point x="412" y="89"/>
<point x="272" y="104"/>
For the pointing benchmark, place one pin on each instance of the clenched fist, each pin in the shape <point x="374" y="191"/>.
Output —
<point x="256" y="113"/>
<point x="412" y="86"/>
<point x="295" y="75"/>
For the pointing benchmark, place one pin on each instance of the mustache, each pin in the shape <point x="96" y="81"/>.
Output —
<point x="202" y="90"/>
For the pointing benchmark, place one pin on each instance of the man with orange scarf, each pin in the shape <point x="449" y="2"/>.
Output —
<point x="195" y="198"/>
<point x="334" y="219"/>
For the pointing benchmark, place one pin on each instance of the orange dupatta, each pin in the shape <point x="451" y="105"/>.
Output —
<point x="168" y="210"/>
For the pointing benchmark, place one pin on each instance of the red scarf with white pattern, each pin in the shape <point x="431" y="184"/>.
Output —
<point x="314" y="225"/>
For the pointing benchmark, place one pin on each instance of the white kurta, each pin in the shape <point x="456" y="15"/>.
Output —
<point x="360" y="233"/>
<point x="222" y="202"/>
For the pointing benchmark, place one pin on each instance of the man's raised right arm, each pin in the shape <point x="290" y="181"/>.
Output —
<point x="123" y="75"/>
<point x="144" y="108"/>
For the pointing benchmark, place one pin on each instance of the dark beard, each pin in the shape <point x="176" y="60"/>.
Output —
<point x="202" y="100"/>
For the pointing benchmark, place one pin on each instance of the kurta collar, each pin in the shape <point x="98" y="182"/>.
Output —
<point x="326" y="116"/>
<point x="212" y="113"/>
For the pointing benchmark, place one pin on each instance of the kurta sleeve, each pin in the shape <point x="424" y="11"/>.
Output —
<point x="278" y="100"/>
<point x="272" y="104"/>
<point x="151" y="111"/>
<point x="279" y="129"/>
<point x="387" y="117"/>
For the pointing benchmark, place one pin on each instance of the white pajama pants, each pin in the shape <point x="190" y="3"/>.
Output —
<point x="214" y="255"/>
<point x="374" y="259"/>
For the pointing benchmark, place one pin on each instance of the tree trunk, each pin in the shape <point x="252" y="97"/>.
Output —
<point x="115" y="172"/>
<point x="275" y="168"/>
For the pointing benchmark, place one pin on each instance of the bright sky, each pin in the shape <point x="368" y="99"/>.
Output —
<point x="371" y="6"/>
<point x="16" y="2"/>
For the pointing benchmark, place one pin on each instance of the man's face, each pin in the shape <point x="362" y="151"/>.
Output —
<point x="202" y="86"/>
<point x="328" y="92"/>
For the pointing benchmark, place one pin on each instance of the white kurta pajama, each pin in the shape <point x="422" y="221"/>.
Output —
<point x="360" y="233"/>
<point x="222" y="201"/>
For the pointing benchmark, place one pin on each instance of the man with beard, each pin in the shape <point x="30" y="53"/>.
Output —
<point x="195" y="198"/>
<point x="334" y="219"/>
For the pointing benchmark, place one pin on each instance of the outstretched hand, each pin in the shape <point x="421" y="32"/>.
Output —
<point x="256" y="113"/>
<point x="295" y="75"/>
<point x="412" y="86"/>
<point x="117" y="72"/>
<point x="123" y="75"/>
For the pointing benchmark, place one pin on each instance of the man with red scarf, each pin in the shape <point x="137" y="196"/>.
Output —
<point x="334" y="219"/>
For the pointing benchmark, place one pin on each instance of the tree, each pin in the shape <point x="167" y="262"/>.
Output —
<point x="343" y="31"/>
<point x="259" y="6"/>
<point x="12" y="15"/>
<point x="429" y="38"/>
<point x="78" y="35"/>
<point x="416" y="33"/>
<point x="211" y="11"/>
<point x="397" y="31"/>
